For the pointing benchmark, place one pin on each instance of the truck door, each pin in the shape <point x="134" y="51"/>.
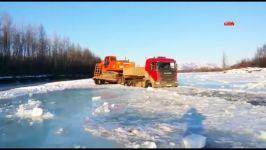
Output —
<point x="153" y="71"/>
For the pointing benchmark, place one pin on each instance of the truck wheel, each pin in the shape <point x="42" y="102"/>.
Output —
<point x="96" y="81"/>
<point x="148" y="84"/>
<point x="122" y="80"/>
<point x="100" y="82"/>
<point x="129" y="83"/>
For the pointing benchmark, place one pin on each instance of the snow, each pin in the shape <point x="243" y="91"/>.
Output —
<point x="194" y="141"/>
<point x="48" y="87"/>
<point x="244" y="70"/>
<point x="165" y="127"/>
<point x="150" y="89"/>
<point x="245" y="79"/>
<point x="148" y="144"/>
<point x="37" y="76"/>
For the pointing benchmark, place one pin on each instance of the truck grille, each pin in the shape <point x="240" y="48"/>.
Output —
<point x="167" y="77"/>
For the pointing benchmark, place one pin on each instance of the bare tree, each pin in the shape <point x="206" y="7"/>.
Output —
<point x="1" y="40"/>
<point x="260" y="56"/>
<point x="42" y="42"/>
<point x="224" y="61"/>
<point x="29" y="41"/>
<point x="6" y="29"/>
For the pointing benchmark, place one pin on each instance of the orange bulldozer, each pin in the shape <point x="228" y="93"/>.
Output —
<point x="110" y="70"/>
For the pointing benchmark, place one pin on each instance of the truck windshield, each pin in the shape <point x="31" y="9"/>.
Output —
<point x="166" y="66"/>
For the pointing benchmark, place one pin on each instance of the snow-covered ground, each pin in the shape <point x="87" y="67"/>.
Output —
<point x="48" y="87"/>
<point x="206" y="110"/>
<point x="246" y="79"/>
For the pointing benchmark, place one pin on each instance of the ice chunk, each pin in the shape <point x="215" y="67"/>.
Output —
<point x="113" y="105"/>
<point x="135" y="146"/>
<point x="31" y="123"/>
<point x="134" y="132"/>
<point x="60" y="131"/>
<point x="262" y="135"/>
<point x="32" y="110"/>
<point x="36" y="112"/>
<point x="96" y="98"/>
<point x="171" y="143"/>
<point x="148" y="144"/>
<point x="48" y="115"/>
<point x="194" y="141"/>
<point x="104" y="108"/>
<point x="77" y="146"/>
<point x="30" y="94"/>
<point x="8" y="116"/>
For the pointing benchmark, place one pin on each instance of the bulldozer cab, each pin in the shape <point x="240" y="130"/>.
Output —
<point x="108" y="59"/>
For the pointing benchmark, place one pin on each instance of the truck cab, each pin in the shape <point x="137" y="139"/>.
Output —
<point x="161" y="72"/>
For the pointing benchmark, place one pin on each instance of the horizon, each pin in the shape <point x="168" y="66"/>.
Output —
<point x="191" y="32"/>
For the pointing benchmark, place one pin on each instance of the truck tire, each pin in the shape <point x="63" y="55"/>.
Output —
<point x="122" y="80"/>
<point x="148" y="84"/>
<point x="100" y="82"/>
<point x="129" y="83"/>
<point x="96" y="81"/>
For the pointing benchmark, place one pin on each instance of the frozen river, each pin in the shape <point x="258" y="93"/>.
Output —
<point x="214" y="107"/>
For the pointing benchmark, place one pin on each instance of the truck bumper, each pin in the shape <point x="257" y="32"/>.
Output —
<point x="171" y="84"/>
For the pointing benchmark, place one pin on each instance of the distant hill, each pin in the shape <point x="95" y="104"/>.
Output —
<point x="196" y="67"/>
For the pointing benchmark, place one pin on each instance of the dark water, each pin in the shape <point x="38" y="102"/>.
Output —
<point x="69" y="107"/>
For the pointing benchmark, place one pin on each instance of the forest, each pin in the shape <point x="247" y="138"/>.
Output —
<point x="258" y="60"/>
<point x="27" y="50"/>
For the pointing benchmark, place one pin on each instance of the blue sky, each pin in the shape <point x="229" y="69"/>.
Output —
<point x="186" y="31"/>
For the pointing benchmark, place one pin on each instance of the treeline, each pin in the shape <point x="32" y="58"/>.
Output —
<point x="27" y="50"/>
<point x="259" y="60"/>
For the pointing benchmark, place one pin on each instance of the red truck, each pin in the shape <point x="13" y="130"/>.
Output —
<point x="157" y="72"/>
